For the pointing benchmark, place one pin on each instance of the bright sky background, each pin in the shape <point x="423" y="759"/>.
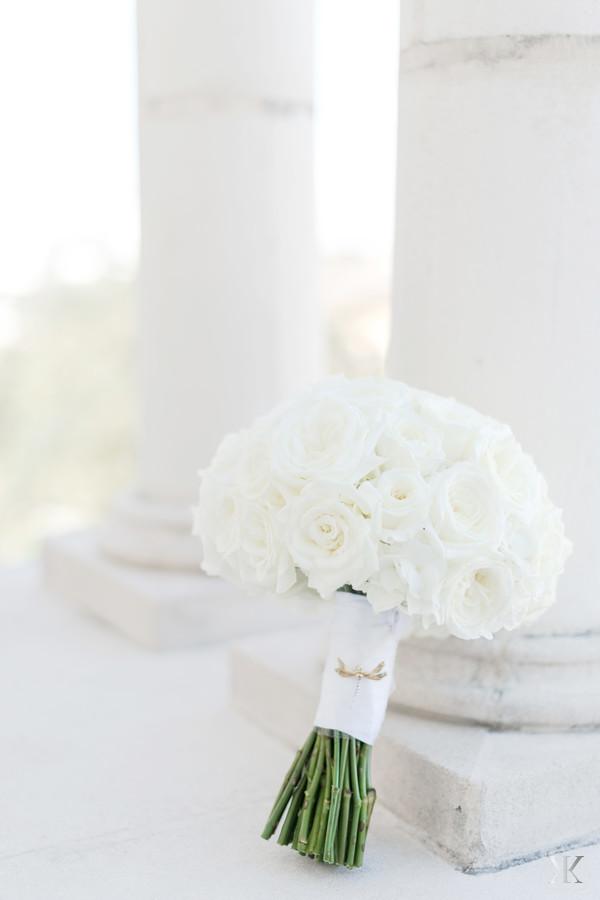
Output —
<point x="68" y="152"/>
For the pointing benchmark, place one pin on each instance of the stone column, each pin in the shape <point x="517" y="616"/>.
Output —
<point x="497" y="273"/>
<point x="496" y="301"/>
<point x="228" y="318"/>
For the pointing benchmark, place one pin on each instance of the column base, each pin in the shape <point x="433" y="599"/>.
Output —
<point x="150" y="533"/>
<point x="521" y="679"/>
<point x="163" y="609"/>
<point x="483" y="799"/>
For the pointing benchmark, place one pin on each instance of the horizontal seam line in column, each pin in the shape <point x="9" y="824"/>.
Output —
<point x="491" y="50"/>
<point x="225" y="103"/>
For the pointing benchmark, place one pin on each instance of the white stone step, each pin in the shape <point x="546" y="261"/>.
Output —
<point x="481" y="798"/>
<point x="131" y="777"/>
<point x="160" y="608"/>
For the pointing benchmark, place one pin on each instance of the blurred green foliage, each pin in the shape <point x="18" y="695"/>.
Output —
<point x="66" y="410"/>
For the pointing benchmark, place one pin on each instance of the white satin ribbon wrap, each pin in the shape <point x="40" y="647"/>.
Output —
<point x="361" y="638"/>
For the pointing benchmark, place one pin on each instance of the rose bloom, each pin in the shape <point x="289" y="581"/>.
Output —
<point x="405" y="502"/>
<point x="326" y="439"/>
<point x="417" y="501"/>
<point x="409" y="577"/>
<point x="515" y="474"/>
<point x="478" y="597"/>
<point x="332" y="535"/>
<point x="409" y="441"/>
<point x="466" y="511"/>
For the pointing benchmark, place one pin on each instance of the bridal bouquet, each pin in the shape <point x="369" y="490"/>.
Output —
<point x="410" y="508"/>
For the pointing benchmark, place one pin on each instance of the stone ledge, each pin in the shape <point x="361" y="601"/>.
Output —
<point x="482" y="799"/>
<point x="159" y="608"/>
<point x="518" y="680"/>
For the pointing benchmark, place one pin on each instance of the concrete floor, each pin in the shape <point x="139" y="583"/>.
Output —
<point x="127" y="776"/>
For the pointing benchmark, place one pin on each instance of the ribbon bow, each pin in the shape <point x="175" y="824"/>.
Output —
<point x="374" y="675"/>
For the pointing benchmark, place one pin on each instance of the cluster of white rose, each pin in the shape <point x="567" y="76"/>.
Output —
<point x="415" y="500"/>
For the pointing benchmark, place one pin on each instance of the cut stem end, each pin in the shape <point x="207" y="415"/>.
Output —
<point x="327" y="799"/>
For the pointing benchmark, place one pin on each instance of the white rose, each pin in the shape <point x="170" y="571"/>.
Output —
<point x="520" y="543"/>
<point x="515" y="473"/>
<point x="254" y="475"/>
<point x="218" y="515"/>
<point x="409" y="577"/>
<point x="377" y="398"/>
<point x="225" y="463"/>
<point x="263" y="558"/>
<point x="458" y="426"/>
<point x="466" y="512"/>
<point x="254" y="472"/>
<point x="409" y="441"/>
<point x="216" y="519"/>
<point x="553" y="548"/>
<point x="405" y="502"/>
<point x="217" y="523"/>
<point x="241" y="539"/>
<point x="419" y="501"/>
<point x="477" y="597"/>
<point x="323" y="438"/>
<point x="537" y="551"/>
<point x="332" y="535"/>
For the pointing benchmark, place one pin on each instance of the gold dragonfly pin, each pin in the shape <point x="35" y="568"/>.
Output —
<point x="374" y="675"/>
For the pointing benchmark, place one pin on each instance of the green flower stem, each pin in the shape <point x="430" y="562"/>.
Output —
<point x="296" y="834"/>
<point x="339" y="772"/>
<point x="356" y="798"/>
<point x="289" y="774"/>
<point x="362" y="835"/>
<point x="314" y="831"/>
<point x="342" y="837"/>
<point x="287" y="829"/>
<point x="363" y="821"/>
<point x="326" y="803"/>
<point x="290" y="783"/>
<point x="335" y="775"/>
<point x="311" y="786"/>
<point x="327" y="799"/>
<point x="311" y="796"/>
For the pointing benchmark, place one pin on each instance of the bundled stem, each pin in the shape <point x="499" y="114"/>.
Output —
<point x="329" y="799"/>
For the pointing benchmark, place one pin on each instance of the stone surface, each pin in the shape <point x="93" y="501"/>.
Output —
<point x="162" y="609"/>
<point x="518" y="680"/>
<point x="495" y="302"/>
<point x="433" y="21"/>
<point x="229" y="317"/>
<point x="483" y="799"/>
<point x="127" y="776"/>
<point x="261" y="48"/>
<point x="498" y="216"/>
